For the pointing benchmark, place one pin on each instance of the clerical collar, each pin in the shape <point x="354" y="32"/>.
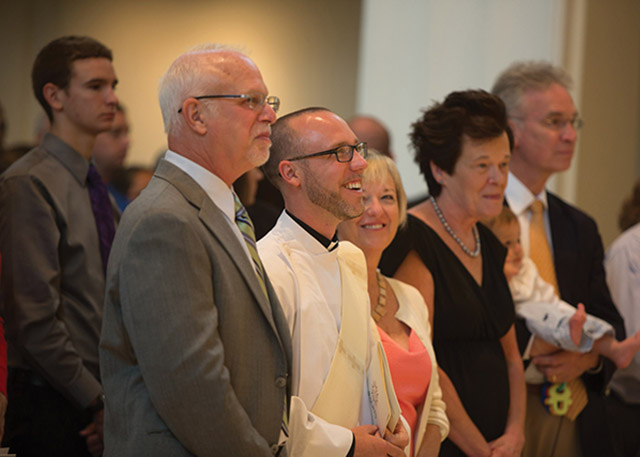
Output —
<point x="330" y="244"/>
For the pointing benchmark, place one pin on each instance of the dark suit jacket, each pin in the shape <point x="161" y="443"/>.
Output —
<point x="578" y="258"/>
<point x="194" y="358"/>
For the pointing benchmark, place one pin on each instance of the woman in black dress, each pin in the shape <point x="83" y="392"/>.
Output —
<point x="463" y="148"/>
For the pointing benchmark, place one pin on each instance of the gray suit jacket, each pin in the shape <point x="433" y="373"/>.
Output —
<point x="194" y="359"/>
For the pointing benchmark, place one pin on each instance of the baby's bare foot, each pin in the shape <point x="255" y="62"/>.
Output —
<point x="625" y="350"/>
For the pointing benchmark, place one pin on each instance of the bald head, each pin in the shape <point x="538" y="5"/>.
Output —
<point x="373" y="132"/>
<point x="285" y="142"/>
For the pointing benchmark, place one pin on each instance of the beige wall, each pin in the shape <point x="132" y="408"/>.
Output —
<point x="609" y="156"/>
<point x="307" y="51"/>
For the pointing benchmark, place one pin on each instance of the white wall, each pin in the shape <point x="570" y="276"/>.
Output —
<point x="414" y="52"/>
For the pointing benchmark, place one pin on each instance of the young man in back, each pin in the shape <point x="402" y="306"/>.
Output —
<point x="56" y="228"/>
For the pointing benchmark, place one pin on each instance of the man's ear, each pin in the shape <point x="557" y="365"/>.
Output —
<point x="54" y="96"/>
<point x="515" y="132"/>
<point x="194" y="115"/>
<point x="289" y="173"/>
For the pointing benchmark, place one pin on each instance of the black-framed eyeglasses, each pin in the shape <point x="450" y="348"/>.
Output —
<point x="343" y="153"/>
<point x="255" y="101"/>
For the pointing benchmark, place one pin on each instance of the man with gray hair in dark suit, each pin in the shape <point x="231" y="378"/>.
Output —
<point x="565" y="245"/>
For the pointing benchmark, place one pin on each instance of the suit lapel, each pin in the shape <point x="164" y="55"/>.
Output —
<point x="215" y="221"/>
<point x="563" y="245"/>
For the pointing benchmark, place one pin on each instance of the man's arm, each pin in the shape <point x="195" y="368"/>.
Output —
<point x="579" y="257"/>
<point x="602" y="306"/>
<point x="463" y="432"/>
<point x="31" y="289"/>
<point x="168" y="309"/>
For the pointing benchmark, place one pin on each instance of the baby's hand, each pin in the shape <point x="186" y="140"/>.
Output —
<point x="510" y="270"/>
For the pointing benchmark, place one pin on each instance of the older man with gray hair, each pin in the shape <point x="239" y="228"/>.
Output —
<point x="565" y="245"/>
<point x="195" y="351"/>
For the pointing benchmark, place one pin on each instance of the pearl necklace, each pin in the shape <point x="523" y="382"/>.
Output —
<point x="380" y="310"/>
<point x="450" y="231"/>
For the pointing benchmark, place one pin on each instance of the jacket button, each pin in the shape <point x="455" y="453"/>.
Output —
<point x="274" y="449"/>
<point x="281" y="381"/>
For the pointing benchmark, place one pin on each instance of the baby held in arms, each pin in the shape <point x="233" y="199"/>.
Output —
<point x="546" y="315"/>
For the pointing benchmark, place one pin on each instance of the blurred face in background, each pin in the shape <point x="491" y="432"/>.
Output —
<point x="111" y="147"/>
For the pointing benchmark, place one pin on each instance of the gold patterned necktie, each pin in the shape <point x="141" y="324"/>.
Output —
<point x="540" y="253"/>
<point x="539" y="249"/>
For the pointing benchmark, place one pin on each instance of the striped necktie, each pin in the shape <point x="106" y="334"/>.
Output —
<point x="243" y="221"/>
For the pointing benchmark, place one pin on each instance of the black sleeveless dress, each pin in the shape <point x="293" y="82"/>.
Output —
<point x="468" y="322"/>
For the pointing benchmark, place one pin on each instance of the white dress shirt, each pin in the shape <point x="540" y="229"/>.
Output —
<point x="622" y="265"/>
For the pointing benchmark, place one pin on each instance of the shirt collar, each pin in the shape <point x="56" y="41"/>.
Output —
<point x="214" y="187"/>
<point x="70" y="158"/>
<point x="520" y="197"/>
<point x="329" y="244"/>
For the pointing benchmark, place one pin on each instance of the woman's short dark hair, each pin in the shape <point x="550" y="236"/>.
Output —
<point x="53" y="63"/>
<point x="438" y="135"/>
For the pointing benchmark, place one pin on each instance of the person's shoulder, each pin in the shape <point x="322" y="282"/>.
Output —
<point x="161" y="204"/>
<point x="272" y="241"/>
<point x="629" y="240"/>
<point x="413" y="233"/>
<point x="34" y="163"/>
<point x="568" y="210"/>
<point x="411" y="304"/>
<point x="408" y="293"/>
<point x="38" y="178"/>
<point x="490" y="240"/>
<point x="284" y="236"/>
<point x="270" y="246"/>
<point x="275" y="254"/>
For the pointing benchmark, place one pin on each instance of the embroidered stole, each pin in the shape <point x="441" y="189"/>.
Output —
<point x="339" y="401"/>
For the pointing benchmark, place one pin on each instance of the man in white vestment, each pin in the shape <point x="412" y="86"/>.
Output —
<point x="317" y="164"/>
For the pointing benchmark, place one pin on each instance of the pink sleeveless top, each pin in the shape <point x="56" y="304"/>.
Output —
<point x="411" y="373"/>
